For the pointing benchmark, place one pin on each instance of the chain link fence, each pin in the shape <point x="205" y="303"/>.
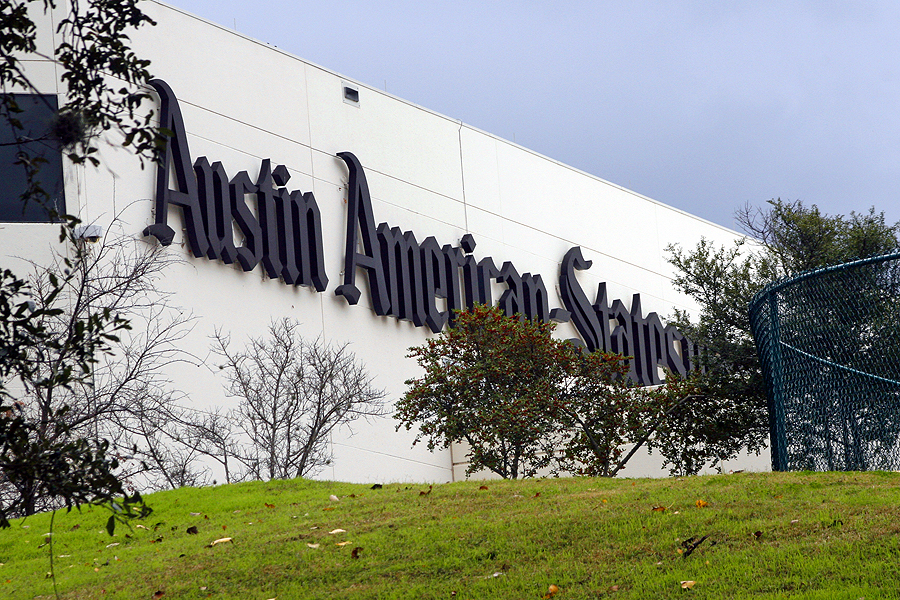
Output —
<point x="829" y="344"/>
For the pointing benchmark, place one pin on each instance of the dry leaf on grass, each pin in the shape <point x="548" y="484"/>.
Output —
<point x="551" y="591"/>
<point x="334" y="498"/>
<point x="334" y="531"/>
<point x="158" y="595"/>
<point x="484" y="487"/>
<point x="686" y="585"/>
<point x="659" y="509"/>
<point x="343" y="543"/>
<point x="355" y="552"/>
<point x="313" y="546"/>
<point x="702" y="504"/>
<point x="192" y="530"/>
<point x="220" y="541"/>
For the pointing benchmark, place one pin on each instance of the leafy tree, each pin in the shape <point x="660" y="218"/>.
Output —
<point x="524" y="401"/>
<point x="489" y="382"/>
<point x="41" y="456"/>
<point x="785" y="238"/>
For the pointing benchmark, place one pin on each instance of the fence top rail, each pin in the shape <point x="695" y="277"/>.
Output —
<point x="784" y="282"/>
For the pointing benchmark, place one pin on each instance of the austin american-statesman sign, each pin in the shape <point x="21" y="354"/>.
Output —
<point x="405" y="276"/>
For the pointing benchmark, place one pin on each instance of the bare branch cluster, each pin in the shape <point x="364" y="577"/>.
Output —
<point x="293" y="393"/>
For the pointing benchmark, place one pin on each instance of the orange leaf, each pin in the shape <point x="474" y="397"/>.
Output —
<point x="158" y="595"/>
<point x="659" y="509"/>
<point x="484" y="487"/>
<point x="702" y="503"/>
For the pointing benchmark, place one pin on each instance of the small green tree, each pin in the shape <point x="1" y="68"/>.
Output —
<point x="489" y="382"/>
<point x="524" y="401"/>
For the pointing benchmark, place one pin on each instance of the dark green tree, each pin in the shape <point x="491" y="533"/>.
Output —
<point x="42" y="464"/>
<point x="784" y="238"/>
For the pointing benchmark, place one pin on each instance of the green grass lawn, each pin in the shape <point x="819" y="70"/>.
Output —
<point x="798" y="535"/>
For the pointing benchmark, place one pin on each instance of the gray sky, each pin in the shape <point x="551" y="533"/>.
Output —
<point x="703" y="105"/>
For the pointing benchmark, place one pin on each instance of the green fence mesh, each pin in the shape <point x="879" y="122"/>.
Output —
<point x="829" y="344"/>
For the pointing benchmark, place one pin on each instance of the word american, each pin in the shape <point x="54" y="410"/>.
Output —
<point x="406" y="277"/>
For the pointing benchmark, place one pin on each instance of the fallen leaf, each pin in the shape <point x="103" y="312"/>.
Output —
<point x="614" y="588"/>
<point x="158" y="595"/>
<point x="334" y="498"/>
<point x="220" y="541"/>
<point x="551" y="591"/>
<point x="328" y="508"/>
<point x="269" y="505"/>
<point x="686" y="585"/>
<point x="498" y="574"/>
<point x="224" y="527"/>
<point x="343" y="543"/>
<point x="538" y="495"/>
<point x="701" y="503"/>
<point x="757" y="534"/>
<point x="192" y="530"/>
<point x="195" y="514"/>
<point x="659" y="509"/>
<point x="313" y="546"/>
<point x="139" y="526"/>
<point x="376" y="486"/>
<point x="355" y="552"/>
<point x="795" y="520"/>
<point x="334" y="531"/>
<point x="113" y="545"/>
<point x="484" y="487"/>
<point x="426" y="493"/>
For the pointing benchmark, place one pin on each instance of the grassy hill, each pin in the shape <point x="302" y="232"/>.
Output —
<point x="831" y="535"/>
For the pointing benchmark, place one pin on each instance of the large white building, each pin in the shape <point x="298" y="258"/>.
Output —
<point x="366" y="158"/>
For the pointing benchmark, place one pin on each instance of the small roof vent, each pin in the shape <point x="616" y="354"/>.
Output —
<point x="351" y="93"/>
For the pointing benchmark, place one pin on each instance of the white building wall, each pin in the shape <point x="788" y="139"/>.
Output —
<point x="244" y="101"/>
